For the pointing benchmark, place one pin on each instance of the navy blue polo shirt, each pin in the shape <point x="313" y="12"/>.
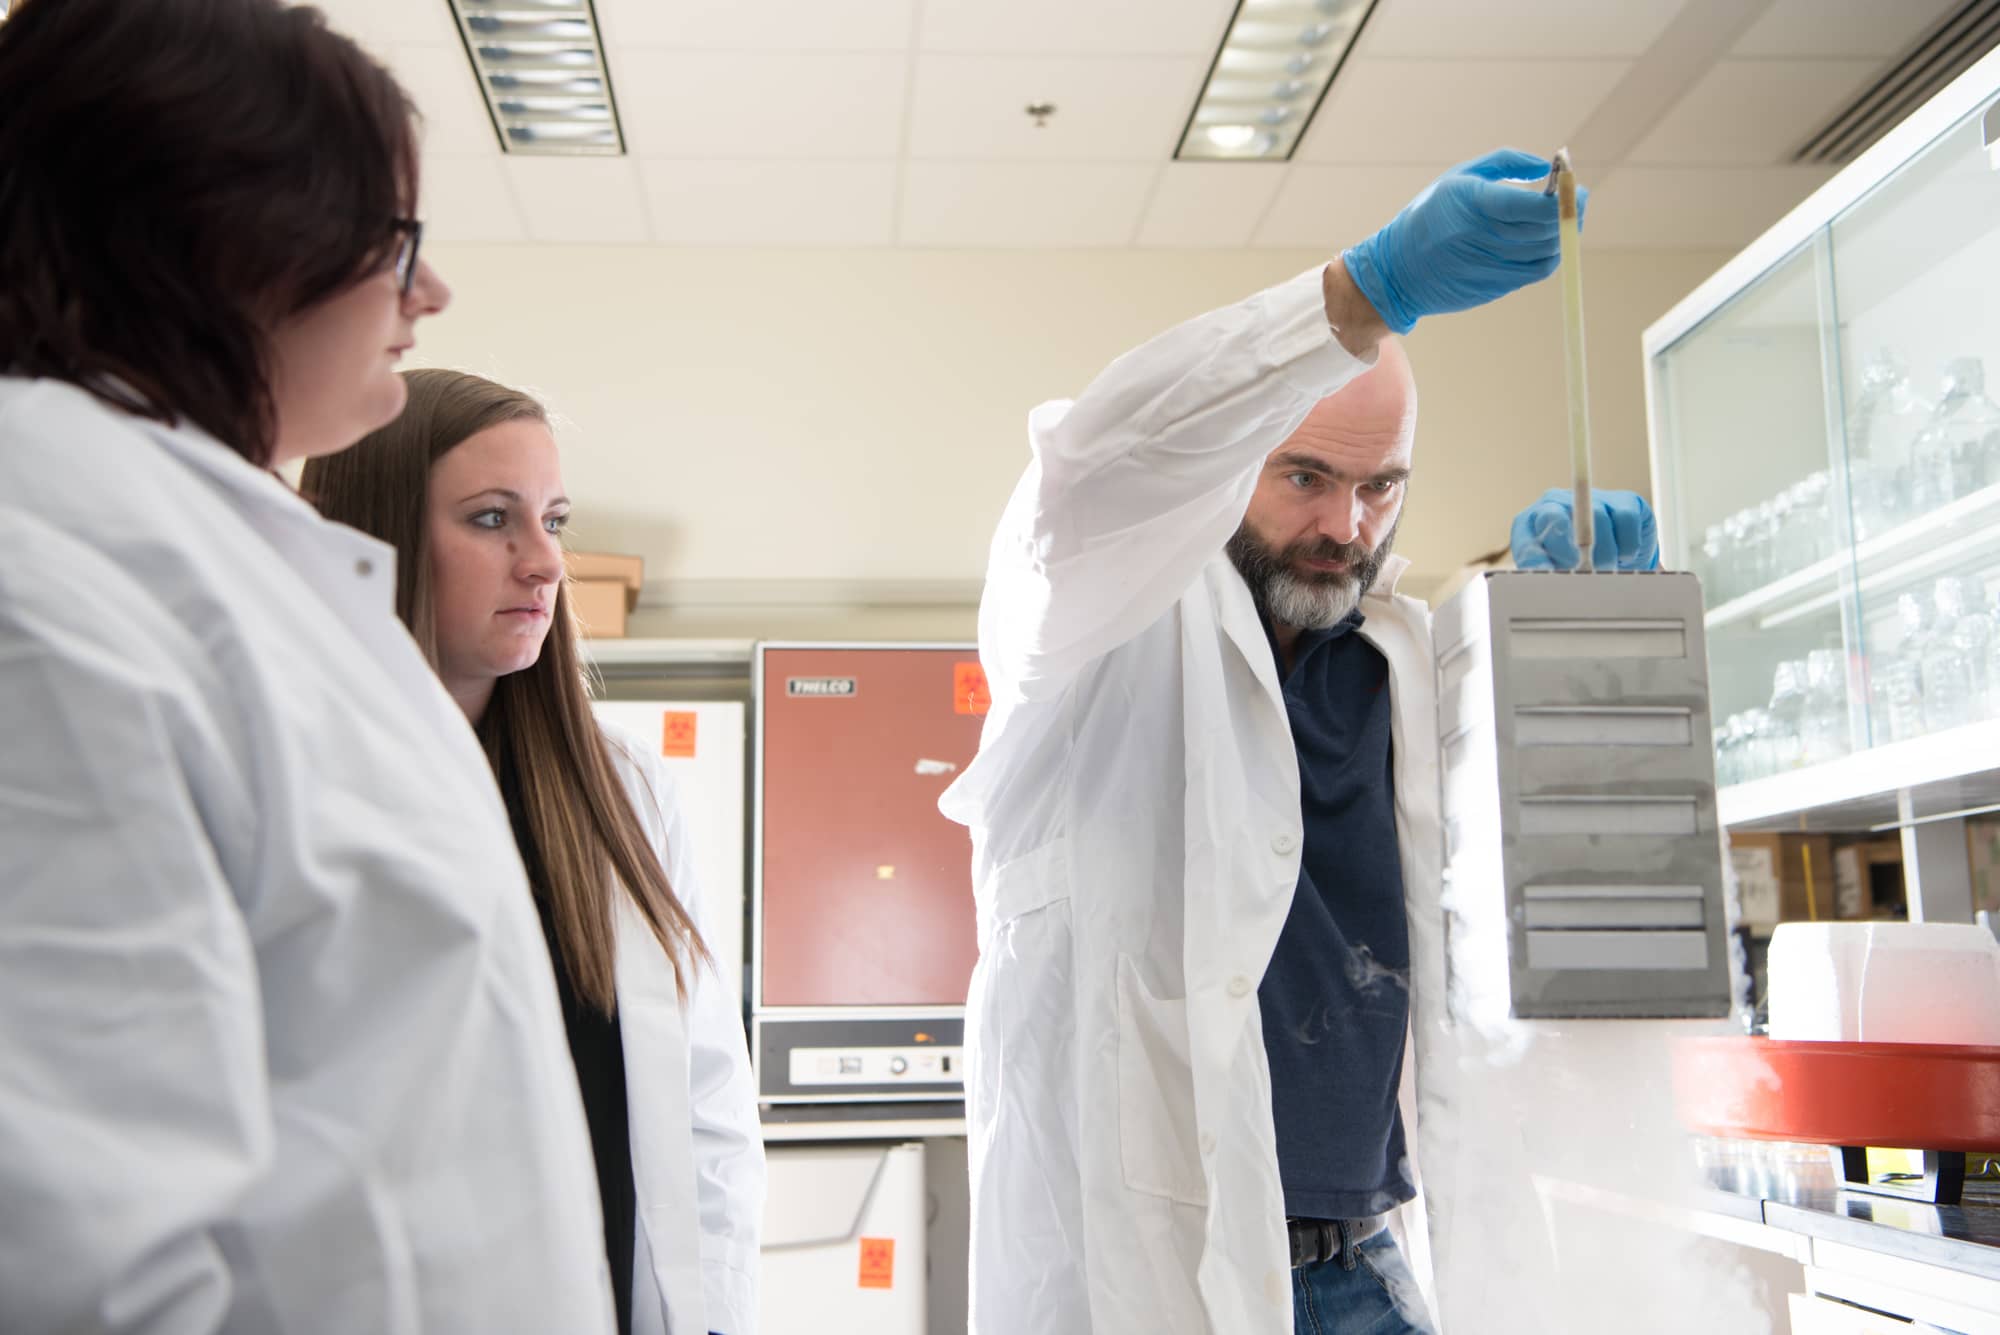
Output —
<point x="1336" y="997"/>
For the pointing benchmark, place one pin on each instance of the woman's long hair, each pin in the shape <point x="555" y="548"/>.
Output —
<point x="538" y="729"/>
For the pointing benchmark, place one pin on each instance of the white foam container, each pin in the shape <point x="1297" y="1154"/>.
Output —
<point x="1885" y="982"/>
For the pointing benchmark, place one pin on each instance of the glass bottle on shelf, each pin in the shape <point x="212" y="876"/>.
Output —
<point x="1788" y="715"/>
<point x="1805" y="523"/>
<point x="1946" y="676"/>
<point x="1959" y="603"/>
<point x="1991" y="616"/>
<point x="1901" y="698"/>
<point x="1739" y="558"/>
<point x="1825" y="732"/>
<point x="1759" y="753"/>
<point x="1955" y="453"/>
<point x="1717" y="580"/>
<point x="1882" y="430"/>
<point x="1881" y="698"/>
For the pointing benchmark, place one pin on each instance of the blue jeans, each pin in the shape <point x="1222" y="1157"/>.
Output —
<point x="1378" y="1297"/>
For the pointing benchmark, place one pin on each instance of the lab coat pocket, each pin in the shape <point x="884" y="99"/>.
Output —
<point x="1031" y="881"/>
<point x="1156" y="1128"/>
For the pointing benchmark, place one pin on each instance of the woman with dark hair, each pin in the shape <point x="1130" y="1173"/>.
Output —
<point x="280" y="1047"/>
<point x="466" y="485"/>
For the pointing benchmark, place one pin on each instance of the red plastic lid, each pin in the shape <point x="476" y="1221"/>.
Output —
<point x="1921" y="1096"/>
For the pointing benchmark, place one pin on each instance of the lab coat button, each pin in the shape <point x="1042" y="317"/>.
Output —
<point x="1208" y="1142"/>
<point x="1285" y="843"/>
<point x="364" y="567"/>
<point x="1239" y="986"/>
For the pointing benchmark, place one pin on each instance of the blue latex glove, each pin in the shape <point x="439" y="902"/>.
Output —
<point x="1625" y="536"/>
<point x="1464" y="241"/>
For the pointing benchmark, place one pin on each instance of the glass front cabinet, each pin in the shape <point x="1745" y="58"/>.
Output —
<point x="1825" y="418"/>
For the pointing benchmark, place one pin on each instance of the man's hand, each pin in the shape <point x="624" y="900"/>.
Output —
<point x="1466" y="240"/>
<point x="1624" y="536"/>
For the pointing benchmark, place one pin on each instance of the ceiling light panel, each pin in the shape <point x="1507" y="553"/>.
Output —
<point x="1273" y="69"/>
<point x="540" y="64"/>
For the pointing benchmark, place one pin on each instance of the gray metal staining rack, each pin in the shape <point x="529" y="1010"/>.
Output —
<point x="1583" y="863"/>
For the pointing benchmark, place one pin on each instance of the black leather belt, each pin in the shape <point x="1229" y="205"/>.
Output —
<point x="1318" y="1240"/>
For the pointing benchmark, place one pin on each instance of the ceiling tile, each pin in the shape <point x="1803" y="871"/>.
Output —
<point x="469" y="199"/>
<point x="1330" y="208"/>
<point x="1066" y="27"/>
<point x="580" y="199"/>
<point x="1751" y="112"/>
<point x="1128" y="110"/>
<point x="1441" y="112"/>
<point x="1862" y="29"/>
<point x="771" y="203"/>
<point x="382" y="24"/>
<point x="1210" y="204"/>
<point x="439" y="78"/>
<point x="1676" y="207"/>
<point x="1542" y="30"/>
<point x="1023" y="204"/>
<point x="764" y="105"/>
<point x="768" y="25"/>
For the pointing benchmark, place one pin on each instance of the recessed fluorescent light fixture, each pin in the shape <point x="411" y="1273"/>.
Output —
<point x="540" y="64"/>
<point x="1276" y="62"/>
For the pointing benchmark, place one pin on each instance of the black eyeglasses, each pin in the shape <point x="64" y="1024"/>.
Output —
<point x="409" y="236"/>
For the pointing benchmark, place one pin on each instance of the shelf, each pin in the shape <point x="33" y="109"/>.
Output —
<point x="1955" y="771"/>
<point x="679" y="653"/>
<point x="887" y="1128"/>
<point x="1904" y="552"/>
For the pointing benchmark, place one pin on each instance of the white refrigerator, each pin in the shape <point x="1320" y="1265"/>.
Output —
<point x="702" y="745"/>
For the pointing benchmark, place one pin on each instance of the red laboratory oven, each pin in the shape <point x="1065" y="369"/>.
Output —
<point x="863" y="936"/>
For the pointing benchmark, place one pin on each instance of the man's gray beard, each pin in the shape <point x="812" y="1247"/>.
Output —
<point x="1287" y="597"/>
<point x="1310" y="605"/>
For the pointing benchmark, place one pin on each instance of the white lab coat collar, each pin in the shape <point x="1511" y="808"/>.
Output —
<point x="1246" y="629"/>
<point x="1386" y="583"/>
<point x="265" y="499"/>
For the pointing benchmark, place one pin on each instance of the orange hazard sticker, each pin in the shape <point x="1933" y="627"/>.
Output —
<point x="878" y="1263"/>
<point x="677" y="734"/>
<point x="968" y="689"/>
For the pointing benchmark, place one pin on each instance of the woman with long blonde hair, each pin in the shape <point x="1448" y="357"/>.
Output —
<point x="466" y="485"/>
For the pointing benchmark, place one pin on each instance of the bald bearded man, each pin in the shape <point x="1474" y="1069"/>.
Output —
<point x="1205" y="810"/>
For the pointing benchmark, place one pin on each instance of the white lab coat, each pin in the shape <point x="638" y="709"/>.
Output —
<point x="280" y="1047"/>
<point x="697" y="1145"/>
<point x="1136" y="834"/>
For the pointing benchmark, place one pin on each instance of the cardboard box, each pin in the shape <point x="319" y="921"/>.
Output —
<point x="603" y="590"/>
<point x="1982" y="845"/>
<point x="1783" y="877"/>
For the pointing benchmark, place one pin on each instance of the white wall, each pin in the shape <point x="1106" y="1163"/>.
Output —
<point x="817" y="427"/>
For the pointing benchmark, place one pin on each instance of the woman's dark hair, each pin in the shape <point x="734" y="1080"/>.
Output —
<point x="578" y="832"/>
<point x="177" y="176"/>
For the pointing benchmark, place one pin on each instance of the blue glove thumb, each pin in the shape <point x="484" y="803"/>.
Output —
<point x="1625" y="537"/>
<point x="1505" y="164"/>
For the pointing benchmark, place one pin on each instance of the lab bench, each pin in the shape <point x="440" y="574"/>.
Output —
<point x="1938" y="1264"/>
<point x="1871" y="1265"/>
